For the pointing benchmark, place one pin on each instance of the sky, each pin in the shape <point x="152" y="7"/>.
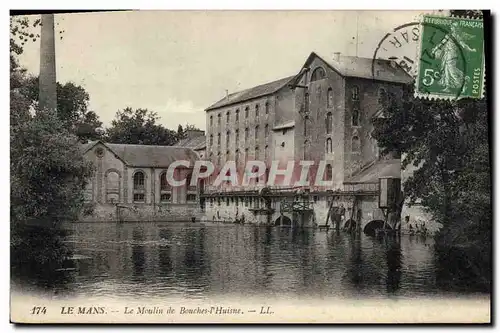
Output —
<point x="178" y="63"/>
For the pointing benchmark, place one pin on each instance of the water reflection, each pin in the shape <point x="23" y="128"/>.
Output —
<point x="203" y="260"/>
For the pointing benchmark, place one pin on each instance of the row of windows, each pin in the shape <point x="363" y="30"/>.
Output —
<point x="237" y="135"/>
<point x="237" y="114"/>
<point x="139" y="178"/>
<point x="355" y="145"/>
<point x="165" y="197"/>
<point x="237" y="154"/>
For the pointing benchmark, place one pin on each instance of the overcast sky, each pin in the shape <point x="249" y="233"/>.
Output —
<point x="177" y="63"/>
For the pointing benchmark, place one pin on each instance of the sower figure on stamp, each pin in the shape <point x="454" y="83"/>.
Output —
<point x="452" y="77"/>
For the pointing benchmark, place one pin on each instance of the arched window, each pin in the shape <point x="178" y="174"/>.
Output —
<point x="246" y="112"/>
<point x="356" y="144"/>
<point x="266" y="152"/>
<point x="139" y="180"/>
<point x="246" y="155"/>
<point x="164" y="185"/>
<point x="237" y="156"/>
<point x="256" y="110"/>
<point x="218" y="119"/>
<point x="211" y="139"/>
<point x="266" y="131"/>
<point x="237" y="136"/>
<point x="228" y="136"/>
<point x="218" y="139"/>
<point x="218" y="159"/>
<point x="329" y="120"/>
<point x="112" y="187"/>
<point x="329" y="100"/>
<point x="355" y="117"/>
<point x="256" y="132"/>
<point x="267" y="107"/>
<point x="329" y="146"/>
<point x="329" y="172"/>
<point x="228" y="117"/>
<point x="318" y="74"/>
<point x="211" y="120"/>
<point x="246" y="134"/>
<point x="355" y="93"/>
<point x="306" y="102"/>
<point x="237" y="117"/>
<point x="257" y="152"/>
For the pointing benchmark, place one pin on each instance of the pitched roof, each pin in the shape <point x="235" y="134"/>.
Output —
<point x="251" y="93"/>
<point x="382" y="168"/>
<point x="366" y="68"/>
<point x="148" y="155"/>
<point x="196" y="143"/>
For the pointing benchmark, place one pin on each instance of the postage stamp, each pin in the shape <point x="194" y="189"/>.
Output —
<point x="451" y="55"/>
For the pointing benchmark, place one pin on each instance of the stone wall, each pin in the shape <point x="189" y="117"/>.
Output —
<point x="143" y="213"/>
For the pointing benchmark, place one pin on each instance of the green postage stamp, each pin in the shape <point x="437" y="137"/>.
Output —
<point x="451" y="62"/>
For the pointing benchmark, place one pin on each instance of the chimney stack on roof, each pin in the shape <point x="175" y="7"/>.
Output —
<point x="336" y="56"/>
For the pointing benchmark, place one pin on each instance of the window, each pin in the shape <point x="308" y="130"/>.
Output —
<point x="188" y="180"/>
<point x="329" y="172"/>
<point x="306" y="119"/>
<point x="318" y="74"/>
<point x="246" y="155"/>
<point x="382" y="96"/>
<point x="237" y="117"/>
<point x="356" y="144"/>
<point x="306" y="149"/>
<point x="329" y="123"/>
<point x="164" y="185"/>
<point x="211" y="121"/>
<point x="256" y="132"/>
<point x="355" y="93"/>
<point x="246" y="112"/>
<point x="266" y="152"/>
<point x="211" y="139"/>
<point x="228" y="117"/>
<point x="218" y="139"/>
<point x="355" y="117"/>
<point x="306" y="102"/>
<point x="256" y="110"/>
<point x="227" y="201"/>
<point x="228" y="136"/>
<point x="329" y="101"/>
<point x="191" y="197"/>
<point x="257" y="153"/>
<point x="267" y="107"/>
<point x="266" y="131"/>
<point x="237" y="156"/>
<point x="329" y="146"/>
<point x="237" y="136"/>
<point x="165" y="197"/>
<point x="139" y="180"/>
<point x="218" y="119"/>
<point x="218" y="158"/>
<point x="246" y="134"/>
<point x="139" y="197"/>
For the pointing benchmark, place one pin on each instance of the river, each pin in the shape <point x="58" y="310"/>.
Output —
<point x="199" y="261"/>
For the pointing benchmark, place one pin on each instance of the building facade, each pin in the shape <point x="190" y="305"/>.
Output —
<point x="130" y="183"/>
<point x="324" y="113"/>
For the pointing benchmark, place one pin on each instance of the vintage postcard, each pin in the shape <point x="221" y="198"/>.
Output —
<point x="250" y="167"/>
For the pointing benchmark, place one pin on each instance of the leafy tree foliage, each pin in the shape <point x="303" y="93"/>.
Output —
<point x="448" y="143"/>
<point x="139" y="127"/>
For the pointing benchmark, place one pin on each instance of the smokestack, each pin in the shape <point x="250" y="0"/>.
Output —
<point x="336" y="56"/>
<point x="47" y="79"/>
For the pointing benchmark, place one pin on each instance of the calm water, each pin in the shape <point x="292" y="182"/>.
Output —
<point x="200" y="261"/>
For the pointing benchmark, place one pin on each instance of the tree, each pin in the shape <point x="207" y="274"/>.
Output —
<point x="448" y="142"/>
<point x="139" y="127"/>
<point x="72" y="108"/>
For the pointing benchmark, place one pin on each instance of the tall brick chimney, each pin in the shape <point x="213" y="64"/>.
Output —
<point x="47" y="79"/>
